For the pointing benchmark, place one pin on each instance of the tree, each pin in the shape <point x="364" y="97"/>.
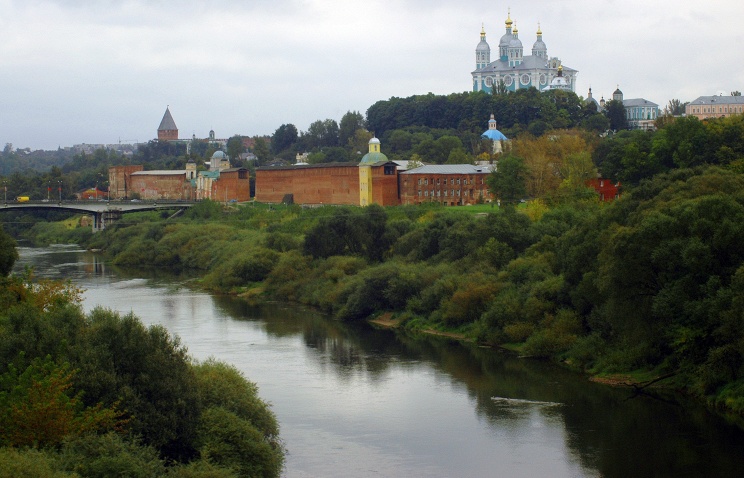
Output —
<point x="322" y="133"/>
<point x="674" y="108"/>
<point x="615" y="112"/>
<point x="350" y="122"/>
<point x="736" y="93"/>
<point x="8" y="253"/>
<point x="499" y="89"/>
<point x="283" y="138"/>
<point x="235" y="148"/>
<point x="507" y="182"/>
<point x="261" y="150"/>
<point x="459" y="156"/>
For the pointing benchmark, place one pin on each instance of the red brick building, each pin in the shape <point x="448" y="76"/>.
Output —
<point x="448" y="184"/>
<point x="607" y="190"/>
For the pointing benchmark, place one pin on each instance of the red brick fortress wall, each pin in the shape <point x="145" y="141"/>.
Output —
<point x="333" y="183"/>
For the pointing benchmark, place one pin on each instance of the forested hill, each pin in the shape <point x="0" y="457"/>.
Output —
<point x="521" y="111"/>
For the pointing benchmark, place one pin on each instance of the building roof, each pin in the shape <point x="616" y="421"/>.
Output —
<point x="529" y="62"/>
<point x="632" y="102"/>
<point x="167" y="123"/>
<point x="451" y="169"/>
<point x="494" y="135"/>
<point x="160" y="172"/>
<point x="723" y="100"/>
<point x="308" y="166"/>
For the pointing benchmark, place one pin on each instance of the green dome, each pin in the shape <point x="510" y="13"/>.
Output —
<point x="374" y="155"/>
<point x="371" y="158"/>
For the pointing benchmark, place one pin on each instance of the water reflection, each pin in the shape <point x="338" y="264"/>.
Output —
<point x="354" y="401"/>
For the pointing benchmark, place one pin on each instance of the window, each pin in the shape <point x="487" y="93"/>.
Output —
<point x="458" y="180"/>
<point x="426" y="193"/>
<point x="426" y="181"/>
<point x="419" y="181"/>
<point x="445" y="193"/>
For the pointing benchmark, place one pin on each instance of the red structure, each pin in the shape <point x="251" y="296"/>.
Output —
<point x="233" y="185"/>
<point x="120" y="180"/>
<point x="448" y="184"/>
<point x="167" y="131"/>
<point x="161" y="185"/>
<point x="605" y="188"/>
<point x="330" y="183"/>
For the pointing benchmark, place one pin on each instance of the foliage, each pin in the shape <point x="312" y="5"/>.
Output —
<point x="30" y="463"/>
<point x="37" y="408"/>
<point x="8" y="253"/>
<point x="76" y="382"/>
<point x="507" y="182"/>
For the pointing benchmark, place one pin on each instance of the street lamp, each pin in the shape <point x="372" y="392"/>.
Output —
<point x="59" y="187"/>
<point x="49" y="190"/>
<point x="5" y="187"/>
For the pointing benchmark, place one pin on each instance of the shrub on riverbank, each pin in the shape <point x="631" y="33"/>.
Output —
<point x="117" y="397"/>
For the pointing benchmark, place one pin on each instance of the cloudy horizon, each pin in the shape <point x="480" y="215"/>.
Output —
<point x="102" y="71"/>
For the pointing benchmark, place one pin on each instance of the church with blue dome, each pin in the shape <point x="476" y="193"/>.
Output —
<point x="515" y="70"/>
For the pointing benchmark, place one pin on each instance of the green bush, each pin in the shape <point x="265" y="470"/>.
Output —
<point x="104" y="456"/>
<point x="31" y="463"/>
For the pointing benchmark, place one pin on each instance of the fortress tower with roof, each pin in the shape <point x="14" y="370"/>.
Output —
<point x="167" y="131"/>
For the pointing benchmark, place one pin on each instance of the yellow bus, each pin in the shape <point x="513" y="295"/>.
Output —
<point x="22" y="199"/>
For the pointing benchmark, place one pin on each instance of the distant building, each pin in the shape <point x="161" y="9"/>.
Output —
<point x="607" y="190"/>
<point x="516" y="69"/>
<point x="167" y="131"/>
<point x="496" y="136"/>
<point x="705" y="107"/>
<point x="640" y="113"/>
<point x="448" y="184"/>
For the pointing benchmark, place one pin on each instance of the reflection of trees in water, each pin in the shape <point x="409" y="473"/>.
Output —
<point x="605" y="431"/>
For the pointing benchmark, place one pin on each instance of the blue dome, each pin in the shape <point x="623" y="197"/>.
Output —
<point x="494" y="135"/>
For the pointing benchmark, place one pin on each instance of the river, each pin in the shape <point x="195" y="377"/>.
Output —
<point x="353" y="401"/>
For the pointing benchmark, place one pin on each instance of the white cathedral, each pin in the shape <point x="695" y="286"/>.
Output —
<point x="517" y="70"/>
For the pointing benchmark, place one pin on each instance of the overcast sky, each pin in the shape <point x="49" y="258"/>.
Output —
<point x="100" y="71"/>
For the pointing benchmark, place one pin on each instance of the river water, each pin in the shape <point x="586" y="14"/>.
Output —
<point x="357" y="402"/>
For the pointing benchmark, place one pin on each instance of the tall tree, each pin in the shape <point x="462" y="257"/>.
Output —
<point x="8" y="253"/>
<point x="322" y="133"/>
<point x="675" y="107"/>
<point x="261" y="150"/>
<point x="615" y="112"/>
<point x="736" y="93"/>
<point x="507" y="183"/>
<point x="283" y="138"/>
<point x="350" y="122"/>
<point x="235" y="148"/>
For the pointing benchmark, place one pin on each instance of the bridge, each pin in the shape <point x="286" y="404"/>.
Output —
<point x="103" y="212"/>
